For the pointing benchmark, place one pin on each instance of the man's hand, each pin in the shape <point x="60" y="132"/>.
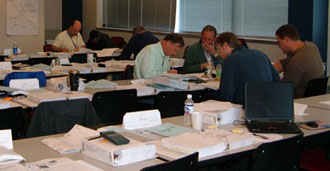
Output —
<point x="210" y="49"/>
<point x="65" y="50"/>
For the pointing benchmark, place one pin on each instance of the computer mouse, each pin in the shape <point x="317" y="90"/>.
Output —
<point x="312" y="124"/>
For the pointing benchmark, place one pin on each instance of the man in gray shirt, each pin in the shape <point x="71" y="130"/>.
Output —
<point x="303" y="62"/>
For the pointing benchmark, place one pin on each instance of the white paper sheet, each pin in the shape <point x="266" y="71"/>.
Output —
<point x="24" y="84"/>
<point x="6" y="139"/>
<point x="299" y="109"/>
<point x="142" y="119"/>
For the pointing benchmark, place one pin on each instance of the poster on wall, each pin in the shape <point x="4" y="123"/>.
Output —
<point x="22" y="17"/>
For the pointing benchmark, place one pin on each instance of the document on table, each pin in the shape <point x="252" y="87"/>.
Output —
<point x="326" y="102"/>
<point x="168" y="130"/>
<point x="299" y="109"/>
<point x="8" y="156"/>
<point x="72" y="141"/>
<point x="59" y="164"/>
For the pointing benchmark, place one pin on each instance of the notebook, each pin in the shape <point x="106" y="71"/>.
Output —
<point x="269" y="108"/>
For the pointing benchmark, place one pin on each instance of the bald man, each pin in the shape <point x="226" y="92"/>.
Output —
<point x="69" y="40"/>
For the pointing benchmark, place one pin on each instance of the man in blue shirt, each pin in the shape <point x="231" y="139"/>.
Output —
<point x="141" y="38"/>
<point x="241" y="65"/>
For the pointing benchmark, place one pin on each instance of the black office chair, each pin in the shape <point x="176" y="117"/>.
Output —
<point x="12" y="118"/>
<point x="41" y="60"/>
<point x="118" y="41"/>
<point x="60" y="116"/>
<point x="316" y="87"/>
<point x="111" y="106"/>
<point x="128" y="72"/>
<point x="170" y="103"/>
<point x="199" y="95"/>
<point x="188" y="163"/>
<point x="278" y="155"/>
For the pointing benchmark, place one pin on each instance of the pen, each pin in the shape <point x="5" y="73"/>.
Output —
<point x="93" y="138"/>
<point x="261" y="136"/>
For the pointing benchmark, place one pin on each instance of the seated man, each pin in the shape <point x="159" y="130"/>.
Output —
<point x="69" y="40"/>
<point x="202" y="54"/>
<point x="303" y="62"/>
<point x="241" y="65"/>
<point x="153" y="60"/>
<point x="140" y="39"/>
<point x="99" y="41"/>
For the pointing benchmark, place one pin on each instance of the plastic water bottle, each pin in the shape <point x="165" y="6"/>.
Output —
<point x="188" y="109"/>
<point x="218" y="69"/>
<point x="15" y="49"/>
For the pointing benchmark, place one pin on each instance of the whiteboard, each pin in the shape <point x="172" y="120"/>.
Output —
<point x="22" y="17"/>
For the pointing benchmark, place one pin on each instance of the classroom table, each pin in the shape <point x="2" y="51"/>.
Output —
<point x="33" y="150"/>
<point x="315" y="101"/>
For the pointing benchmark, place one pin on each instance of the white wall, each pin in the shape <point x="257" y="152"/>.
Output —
<point x="53" y="18"/>
<point x="26" y="43"/>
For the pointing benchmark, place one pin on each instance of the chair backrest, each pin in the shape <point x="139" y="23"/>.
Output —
<point x="188" y="163"/>
<point x="184" y="53"/>
<point x="118" y="41"/>
<point x="171" y="103"/>
<point x="111" y="106"/>
<point x="47" y="48"/>
<point x="60" y="116"/>
<point x="128" y="72"/>
<point x="316" y="87"/>
<point x="278" y="155"/>
<point x="21" y="75"/>
<point x="79" y="58"/>
<point x="12" y="118"/>
<point x="41" y="60"/>
<point x="2" y="57"/>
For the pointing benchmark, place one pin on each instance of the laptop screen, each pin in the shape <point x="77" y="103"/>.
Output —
<point x="268" y="101"/>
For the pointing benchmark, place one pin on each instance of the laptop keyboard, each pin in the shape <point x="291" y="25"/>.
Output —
<point x="273" y="127"/>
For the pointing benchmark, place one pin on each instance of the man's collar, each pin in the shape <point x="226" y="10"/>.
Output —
<point x="239" y="48"/>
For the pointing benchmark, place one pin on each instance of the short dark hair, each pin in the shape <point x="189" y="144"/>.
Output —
<point x="288" y="30"/>
<point x="210" y="28"/>
<point x="138" y="29"/>
<point x="94" y="34"/>
<point x="72" y="22"/>
<point x="230" y="38"/>
<point x="174" y="38"/>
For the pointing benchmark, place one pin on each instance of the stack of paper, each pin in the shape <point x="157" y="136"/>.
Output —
<point x="176" y="62"/>
<point x="45" y="96"/>
<point x="163" y="80"/>
<point x="72" y="141"/>
<point x="4" y="104"/>
<point x="208" y="142"/>
<point x="121" y="64"/>
<point x="219" y="113"/>
<point x="76" y="95"/>
<point x="8" y="156"/>
<point x="108" y="52"/>
<point x="118" y="155"/>
<point x="188" y="143"/>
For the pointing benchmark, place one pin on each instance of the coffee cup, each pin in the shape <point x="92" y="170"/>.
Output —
<point x="197" y="120"/>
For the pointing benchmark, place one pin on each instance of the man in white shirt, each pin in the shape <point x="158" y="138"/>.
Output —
<point x="69" y="40"/>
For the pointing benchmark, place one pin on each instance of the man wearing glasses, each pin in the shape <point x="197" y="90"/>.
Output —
<point x="202" y="55"/>
<point x="69" y="40"/>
